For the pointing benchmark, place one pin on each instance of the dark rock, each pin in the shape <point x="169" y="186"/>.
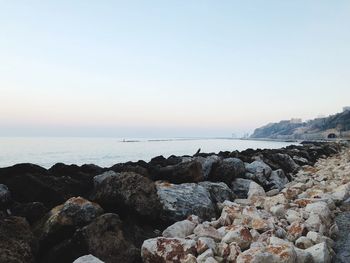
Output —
<point x="259" y="172"/>
<point x="184" y="172"/>
<point x="219" y="192"/>
<point x="128" y="193"/>
<point x="240" y="187"/>
<point x="182" y="200"/>
<point x="131" y="167"/>
<point x="285" y="162"/>
<point x="278" y="179"/>
<point x="208" y="163"/>
<point x="31" y="211"/>
<point x="5" y="197"/>
<point x="227" y="170"/>
<point x="17" y="243"/>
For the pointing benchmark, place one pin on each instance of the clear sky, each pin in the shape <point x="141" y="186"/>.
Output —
<point x="169" y="68"/>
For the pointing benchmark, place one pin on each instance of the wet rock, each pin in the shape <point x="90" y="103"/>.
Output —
<point x="17" y="242"/>
<point x="5" y="197"/>
<point x="31" y="211"/>
<point x="320" y="253"/>
<point x="227" y="170"/>
<point x="180" y="201"/>
<point x="88" y="259"/>
<point x="184" y="172"/>
<point x="128" y="193"/>
<point x="61" y="221"/>
<point x="167" y="249"/>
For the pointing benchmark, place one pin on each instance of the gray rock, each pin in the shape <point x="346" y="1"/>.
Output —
<point x="258" y="171"/>
<point x="278" y="179"/>
<point x="88" y="259"/>
<point x="5" y="196"/>
<point x="219" y="192"/>
<point x="227" y="170"/>
<point x="180" y="229"/>
<point x="181" y="200"/>
<point x="208" y="163"/>
<point x="240" y="187"/>
<point x="320" y="253"/>
<point x="98" y="179"/>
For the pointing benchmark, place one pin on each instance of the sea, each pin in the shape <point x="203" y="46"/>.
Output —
<point x="106" y="152"/>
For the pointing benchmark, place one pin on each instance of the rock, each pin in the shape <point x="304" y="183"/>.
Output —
<point x="314" y="223"/>
<point x="278" y="179"/>
<point x="219" y="192"/>
<point x="292" y="216"/>
<point x="5" y="197"/>
<point x="205" y="255"/>
<point x="272" y="192"/>
<point x="317" y="238"/>
<point x="285" y="162"/>
<point x="180" y="201"/>
<point x="255" y="190"/>
<point x="296" y="230"/>
<point x="184" y="172"/>
<point x="278" y="211"/>
<point x="88" y="259"/>
<point x="180" y="229"/>
<point x="258" y="171"/>
<point x="98" y="179"/>
<point x="205" y="243"/>
<point x="62" y="220"/>
<point x="167" y="249"/>
<point x="300" y="160"/>
<point x="240" y="235"/>
<point x="208" y="163"/>
<point x="341" y="193"/>
<point x="320" y="253"/>
<point x="31" y="211"/>
<point x="17" y="243"/>
<point x="303" y="243"/>
<point x="303" y="256"/>
<point x="240" y="187"/>
<point x="227" y="170"/>
<point x="271" y="201"/>
<point x="128" y="193"/>
<point x="203" y="230"/>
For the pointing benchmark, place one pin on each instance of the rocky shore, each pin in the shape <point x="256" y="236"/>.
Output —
<point x="252" y="206"/>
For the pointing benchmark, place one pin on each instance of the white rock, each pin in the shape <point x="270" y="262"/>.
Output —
<point x="240" y="235"/>
<point x="278" y="210"/>
<point x="320" y="253"/>
<point x="320" y="208"/>
<point x="202" y="257"/>
<point x="205" y="243"/>
<point x="87" y="259"/>
<point x="255" y="190"/>
<point x="292" y="216"/>
<point x="303" y="242"/>
<point x="180" y="229"/>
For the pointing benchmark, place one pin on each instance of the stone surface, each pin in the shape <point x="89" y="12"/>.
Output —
<point x="219" y="192"/>
<point x="88" y="259"/>
<point x="227" y="170"/>
<point x="320" y="253"/>
<point x="180" y="229"/>
<point x="240" y="187"/>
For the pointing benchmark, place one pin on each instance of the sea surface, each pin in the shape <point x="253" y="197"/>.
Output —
<point x="106" y="152"/>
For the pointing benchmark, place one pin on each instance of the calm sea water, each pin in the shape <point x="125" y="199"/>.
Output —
<point x="108" y="151"/>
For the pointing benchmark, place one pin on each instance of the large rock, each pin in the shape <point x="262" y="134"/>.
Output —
<point x="180" y="201"/>
<point x="208" y="164"/>
<point x="320" y="253"/>
<point x="227" y="170"/>
<point x="259" y="172"/>
<point x="185" y="172"/>
<point x="17" y="243"/>
<point x="240" y="187"/>
<point x="61" y="221"/>
<point x="278" y="179"/>
<point x="5" y="197"/>
<point x="180" y="229"/>
<point x="87" y="259"/>
<point x="128" y="193"/>
<point x="219" y="192"/>
<point x="167" y="250"/>
<point x="285" y="162"/>
<point x="31" y="211"/>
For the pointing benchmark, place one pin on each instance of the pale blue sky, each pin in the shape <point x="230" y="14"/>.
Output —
<point x="169" y="68"/>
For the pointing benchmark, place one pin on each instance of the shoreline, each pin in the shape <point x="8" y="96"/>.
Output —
<point x="137" y="201"/>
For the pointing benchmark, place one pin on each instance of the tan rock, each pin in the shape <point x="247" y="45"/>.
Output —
<point x="240" y="235"/>
<point x="203" y="230"/>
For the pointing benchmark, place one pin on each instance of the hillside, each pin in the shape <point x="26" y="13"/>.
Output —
<point x="320" y="128"/>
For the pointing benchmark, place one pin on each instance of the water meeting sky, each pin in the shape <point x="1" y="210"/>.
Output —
<point x="169" y="68"/>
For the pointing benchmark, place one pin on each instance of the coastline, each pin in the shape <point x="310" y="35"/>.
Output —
<point x="113" y="211"/>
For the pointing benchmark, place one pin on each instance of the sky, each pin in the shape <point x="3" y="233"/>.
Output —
<point x="177" y="68"/>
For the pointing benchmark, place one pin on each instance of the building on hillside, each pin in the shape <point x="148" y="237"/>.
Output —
<point x="347" y="108"/>
<point x="295" y="120"/>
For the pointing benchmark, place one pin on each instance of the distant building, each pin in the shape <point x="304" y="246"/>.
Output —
<point x="347" y="108"/>
<point x="295" y="120"/>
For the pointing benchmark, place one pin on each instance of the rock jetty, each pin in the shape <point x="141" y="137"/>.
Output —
<point x="252" y="206"/>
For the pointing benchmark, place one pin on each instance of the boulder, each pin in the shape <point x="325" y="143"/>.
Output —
<point x="17" y="242"/>
<point x="98" y="179"/>
<point x="240" y="235"/>
<point x="285" y="162"/>
<point x="278" y="179"/>
<point x="180" y="201"/>
<point x="208" y="164"/>
<point x="240" y="187"/>
<point x="227" y="170"/>
<point x="31" y="211"/>
<point x="167" y="249"/>
<point x="255" y="190"/>
<point x="219" y="192"/>
<point x="128" y="193"/>
<point x="205" y="230"/>
<point x="303" y="243"/>
<point x="258" y="171"/>
<point x="185" y="172"/>
<point x="320" y="253"/>
<point x="87" y="259"/>
<point x="5" y="197"/>
<point x="61" y="221"/>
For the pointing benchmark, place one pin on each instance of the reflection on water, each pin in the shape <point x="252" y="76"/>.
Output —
<point x="108" y="151"/>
